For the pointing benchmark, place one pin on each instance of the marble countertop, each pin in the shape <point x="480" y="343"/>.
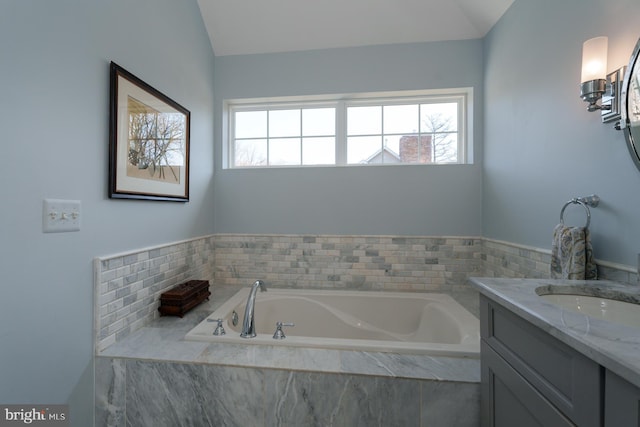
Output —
<point x="163" y="340"/>
<point x="612" y="345"/>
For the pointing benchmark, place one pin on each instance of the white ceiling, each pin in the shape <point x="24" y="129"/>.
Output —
<point x="239" y="27"/>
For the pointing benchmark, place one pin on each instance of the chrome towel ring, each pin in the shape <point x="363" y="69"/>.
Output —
<point x="585" y="202"/>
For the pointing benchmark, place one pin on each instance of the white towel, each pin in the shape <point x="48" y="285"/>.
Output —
<point x="572" y="254"/>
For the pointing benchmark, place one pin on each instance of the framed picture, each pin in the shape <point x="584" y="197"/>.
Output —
<point x="148" y="141"/>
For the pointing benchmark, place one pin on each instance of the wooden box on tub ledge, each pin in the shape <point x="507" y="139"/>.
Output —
<point x="182" y="298"/>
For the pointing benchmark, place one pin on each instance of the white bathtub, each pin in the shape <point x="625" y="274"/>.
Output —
<point x="398" y="322"/>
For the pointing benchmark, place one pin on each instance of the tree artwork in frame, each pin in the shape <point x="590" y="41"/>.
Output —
<point x="148" y="141"/>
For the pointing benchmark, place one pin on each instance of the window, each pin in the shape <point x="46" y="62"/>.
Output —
<point x="427" y="128"/>
<point x="284" y="136"/>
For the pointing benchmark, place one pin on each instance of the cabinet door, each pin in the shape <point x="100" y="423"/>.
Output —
<point x="621" y="402"/>
<point x="569" y="380"/>
<point x="509" y="400"/>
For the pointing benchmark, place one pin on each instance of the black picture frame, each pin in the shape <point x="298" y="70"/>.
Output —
<point x="148" y="141"/>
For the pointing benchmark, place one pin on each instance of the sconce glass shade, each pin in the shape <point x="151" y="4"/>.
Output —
<point x="594" y="59"/>
<point x="594" y="71"/>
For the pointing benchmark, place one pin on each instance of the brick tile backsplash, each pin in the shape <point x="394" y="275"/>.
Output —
<point x="128" y="286"/>
<point x="353" y="262"/>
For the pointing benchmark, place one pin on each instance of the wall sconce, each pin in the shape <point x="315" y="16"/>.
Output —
<point x="596" y="84"/>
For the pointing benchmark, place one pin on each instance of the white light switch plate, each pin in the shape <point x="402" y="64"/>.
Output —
<point x="60" y="215"/>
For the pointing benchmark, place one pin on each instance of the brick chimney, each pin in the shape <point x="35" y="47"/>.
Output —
<point x="410" y="149"/>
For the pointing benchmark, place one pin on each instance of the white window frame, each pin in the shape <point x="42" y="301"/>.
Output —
<point x="464" y="97"/>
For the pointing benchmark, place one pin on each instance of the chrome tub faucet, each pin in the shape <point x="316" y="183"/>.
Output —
<point x="248" y="326"/>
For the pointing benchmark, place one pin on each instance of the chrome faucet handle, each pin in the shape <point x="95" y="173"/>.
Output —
<point x="234" y="318"/>
<point x="279" y="333"/>
<point x="219" y="329"/>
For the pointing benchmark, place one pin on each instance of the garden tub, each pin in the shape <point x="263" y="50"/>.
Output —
<point x="397" y="322"/>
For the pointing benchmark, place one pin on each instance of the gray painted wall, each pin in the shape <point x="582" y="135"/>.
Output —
<point x="54" y="75"/>
<point x="540" y="149"/>
<point x="541" y="146"/>
<point x="405" y="200"/>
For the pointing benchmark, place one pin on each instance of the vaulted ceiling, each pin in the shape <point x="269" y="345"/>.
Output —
<point x="239" y="27"/>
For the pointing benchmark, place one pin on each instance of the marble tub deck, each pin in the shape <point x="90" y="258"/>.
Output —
<point x="163" y="340"/>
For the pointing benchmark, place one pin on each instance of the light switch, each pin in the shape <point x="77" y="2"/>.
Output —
<point x="61" y="215"/>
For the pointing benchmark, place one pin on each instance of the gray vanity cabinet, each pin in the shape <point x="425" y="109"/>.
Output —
<point x="509" y="400"/>
<point x="530" y="378"/>
<point x="621" y="403"/>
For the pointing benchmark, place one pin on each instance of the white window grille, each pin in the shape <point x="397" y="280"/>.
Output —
<point x="366" y="129"/>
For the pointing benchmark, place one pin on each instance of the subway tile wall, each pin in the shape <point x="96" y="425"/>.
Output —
<point x="128" y="286"/>
<point x="353" y="262"/>
<point x="503" y="259"/>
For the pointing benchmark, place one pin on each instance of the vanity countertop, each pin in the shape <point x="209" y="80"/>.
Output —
<point x="614" y="346"/>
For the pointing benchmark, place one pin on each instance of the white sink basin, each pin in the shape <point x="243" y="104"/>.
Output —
<point x="624" y="313"/>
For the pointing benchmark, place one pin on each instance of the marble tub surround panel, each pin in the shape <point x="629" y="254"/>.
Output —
<point x="312" y="399"/>
<point x="142" y="393"/>
<point x="438" y="368"/>
<point x="353" y="262"/>
<point x="440" y="404"/>
<point x="614" y="346"/>
<point x="128" y="285"/>
<point x="110" y="394"/>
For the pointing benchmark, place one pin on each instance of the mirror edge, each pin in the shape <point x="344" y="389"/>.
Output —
<point x="625" y="124"/>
